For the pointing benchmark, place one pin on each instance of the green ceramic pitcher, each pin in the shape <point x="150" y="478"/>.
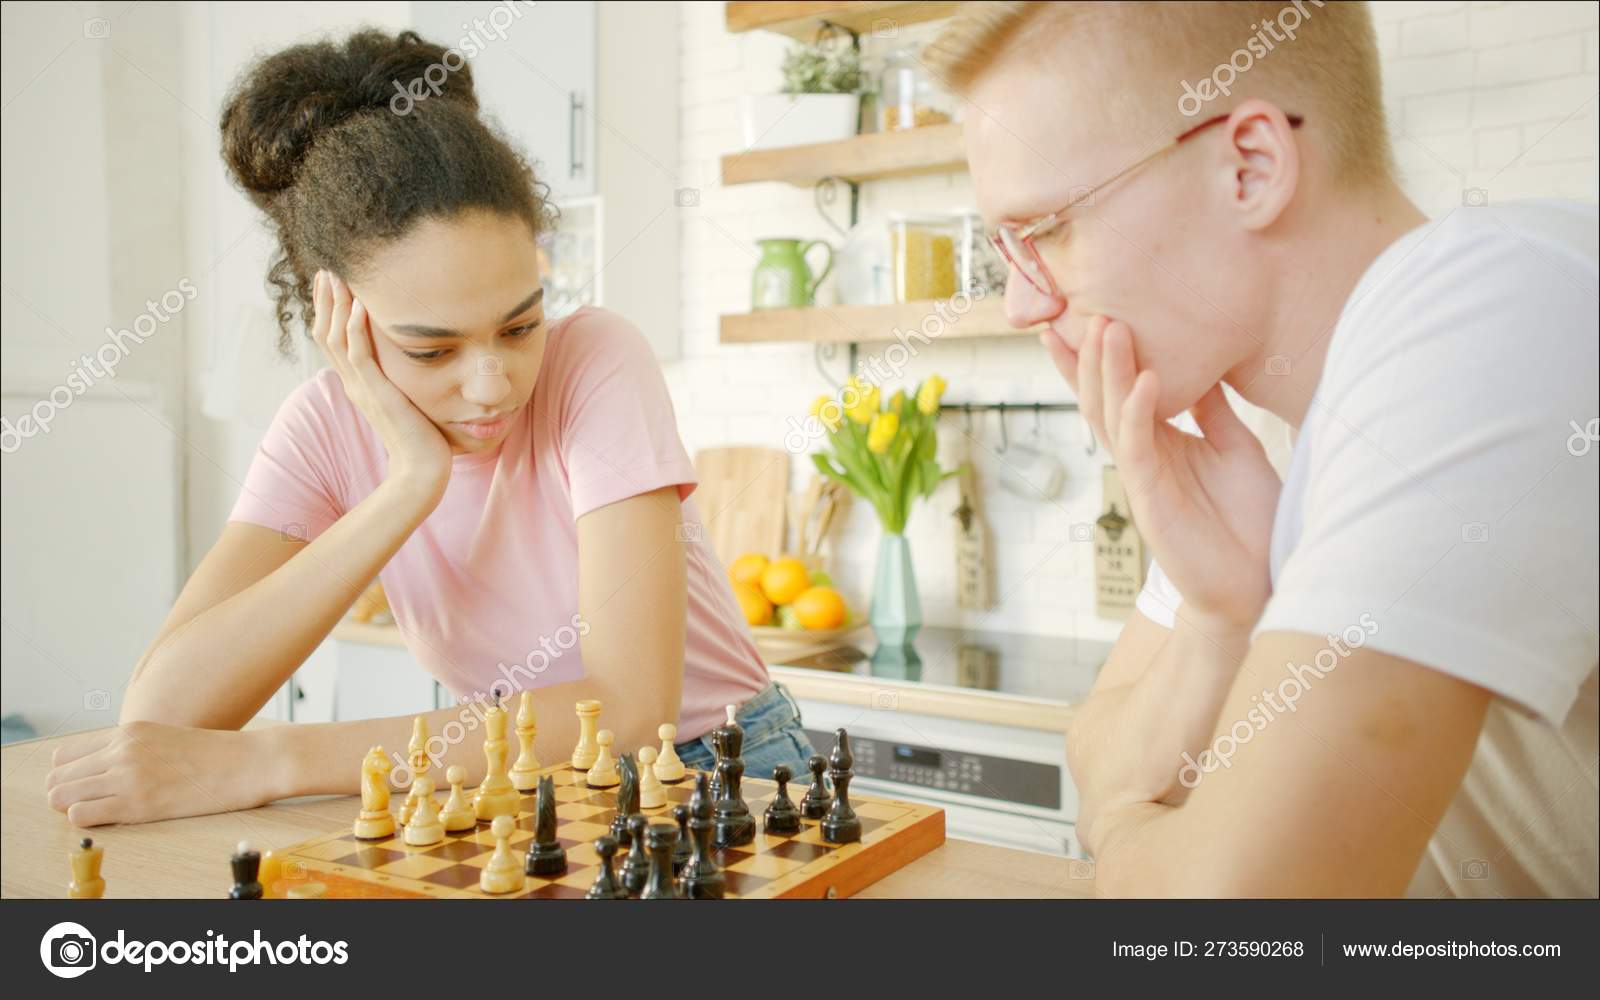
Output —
<point x="782" y="279"/>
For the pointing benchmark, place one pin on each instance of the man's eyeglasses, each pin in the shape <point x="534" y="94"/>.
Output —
<point x="1014" y="240"/>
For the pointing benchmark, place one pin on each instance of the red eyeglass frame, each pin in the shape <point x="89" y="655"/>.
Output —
<point x="1022" y="234"/>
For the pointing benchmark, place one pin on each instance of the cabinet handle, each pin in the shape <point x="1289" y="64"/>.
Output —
<point x="575" y="164"/>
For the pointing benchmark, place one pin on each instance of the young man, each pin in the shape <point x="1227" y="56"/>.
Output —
<point x="1376" y="676"/>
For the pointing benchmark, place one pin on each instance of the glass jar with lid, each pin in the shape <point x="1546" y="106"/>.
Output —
<point x="907" y="98"/>
<point x="924" y="252"/>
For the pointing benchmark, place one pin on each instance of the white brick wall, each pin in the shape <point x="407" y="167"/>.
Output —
<point x="1499" y="96"/>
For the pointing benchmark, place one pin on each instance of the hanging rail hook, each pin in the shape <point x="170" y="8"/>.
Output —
<point x="825" y="193"/>
<point x="827" y="351"/>
<point x="1005" y="441"/>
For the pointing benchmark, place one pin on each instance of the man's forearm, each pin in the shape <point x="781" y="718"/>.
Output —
<point x="1127" y="744"/>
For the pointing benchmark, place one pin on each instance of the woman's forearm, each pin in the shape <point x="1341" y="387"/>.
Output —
<point x="216" y="670"/>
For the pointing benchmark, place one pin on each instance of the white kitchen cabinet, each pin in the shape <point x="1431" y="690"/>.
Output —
<point x="533" y="69"/>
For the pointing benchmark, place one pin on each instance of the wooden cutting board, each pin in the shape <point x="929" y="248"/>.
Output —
<point x="741" y="499"/>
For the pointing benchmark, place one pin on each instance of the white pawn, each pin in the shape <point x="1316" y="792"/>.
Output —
<point x="457" y="815"/>
<point x="425" y="827"/>
<point x="652" y="793"/>
<point x="503" y="873"/>
<point x="604" y="772"/>
<point x="668" y="766"/>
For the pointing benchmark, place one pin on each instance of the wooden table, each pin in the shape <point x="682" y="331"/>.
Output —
<point x="189" y="857"/>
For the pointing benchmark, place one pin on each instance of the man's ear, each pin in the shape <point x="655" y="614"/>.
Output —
<point x="1265" y="159"/>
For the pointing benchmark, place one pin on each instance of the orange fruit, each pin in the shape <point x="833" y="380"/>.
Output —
<point x="819" y="607"/>
<point x="784" y="579"/>
<point x="747" y="569"/>
<point x="757" y="609"/>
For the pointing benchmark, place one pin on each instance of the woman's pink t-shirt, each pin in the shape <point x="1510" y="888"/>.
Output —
<point x="485" y="591"/>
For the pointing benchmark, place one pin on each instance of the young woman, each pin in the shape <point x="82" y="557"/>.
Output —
<point x="518" y="486"/>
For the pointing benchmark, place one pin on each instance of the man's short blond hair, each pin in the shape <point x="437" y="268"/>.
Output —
<point x="1170" y="63"/>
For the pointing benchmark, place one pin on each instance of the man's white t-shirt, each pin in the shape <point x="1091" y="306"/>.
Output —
<point x="1444" y="483"/>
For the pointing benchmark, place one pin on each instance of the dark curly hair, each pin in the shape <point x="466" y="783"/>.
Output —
<point x="315" y="136"/>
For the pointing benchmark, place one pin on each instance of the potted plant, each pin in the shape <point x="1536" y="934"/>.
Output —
<point x="887" y="456"/>
<point x="820" y="100"/>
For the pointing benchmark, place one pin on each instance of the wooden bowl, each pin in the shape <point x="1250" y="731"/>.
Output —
<point x="781" y="645"/>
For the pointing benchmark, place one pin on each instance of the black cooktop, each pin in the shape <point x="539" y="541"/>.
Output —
<point x="1052" y="668"/>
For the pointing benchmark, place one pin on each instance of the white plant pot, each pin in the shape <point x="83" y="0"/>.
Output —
<point x="775" y="120"/>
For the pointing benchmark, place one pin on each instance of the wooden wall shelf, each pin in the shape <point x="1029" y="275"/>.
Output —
<point x="804" y="20"/>
<point x="866" y="324"/>
<point x="932" y="149"/>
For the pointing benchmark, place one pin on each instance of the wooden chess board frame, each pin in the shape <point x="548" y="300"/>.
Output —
<point x="773" y="866"/>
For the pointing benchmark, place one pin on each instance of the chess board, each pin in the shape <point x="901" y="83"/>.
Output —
<point x="773" y="866"/>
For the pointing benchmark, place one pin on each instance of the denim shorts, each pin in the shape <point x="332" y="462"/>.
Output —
<point x="772" y="736"/>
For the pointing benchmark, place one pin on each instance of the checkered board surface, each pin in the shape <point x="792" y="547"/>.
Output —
<point x="773" y="866"/>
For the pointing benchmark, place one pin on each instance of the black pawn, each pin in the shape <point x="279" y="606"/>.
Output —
<point x="605" y="884"/>
<point x="781" y="815"/>
<point x="636" y="867"/>
<point x="815" y="804"/>
<point x="627" y="798"/>
<point x="545" y="856"/>
<point x="841" y="825"/>
<point x="658" y="883"/>
<point x="246" y="864"/>
<point x="702" y="879"/>
<point x="734" y="824"/>
<point x="682" y="849"/>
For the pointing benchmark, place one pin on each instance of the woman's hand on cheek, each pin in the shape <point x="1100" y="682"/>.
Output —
<point x="417" y="448"/>
<point x="1205" y="504"/>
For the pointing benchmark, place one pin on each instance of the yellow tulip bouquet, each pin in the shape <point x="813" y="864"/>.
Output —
<point x="887" y="455"/>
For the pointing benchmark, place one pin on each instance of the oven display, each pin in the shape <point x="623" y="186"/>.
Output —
<point x="918" y="756"/>
<point x="982" y="775"/>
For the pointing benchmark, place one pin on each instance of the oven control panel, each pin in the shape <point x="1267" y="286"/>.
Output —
<point x="981" y="775"/>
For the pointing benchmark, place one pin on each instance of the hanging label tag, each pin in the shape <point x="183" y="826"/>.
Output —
<point x="1118" y="551"/>
<point x="973" y="575"/>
